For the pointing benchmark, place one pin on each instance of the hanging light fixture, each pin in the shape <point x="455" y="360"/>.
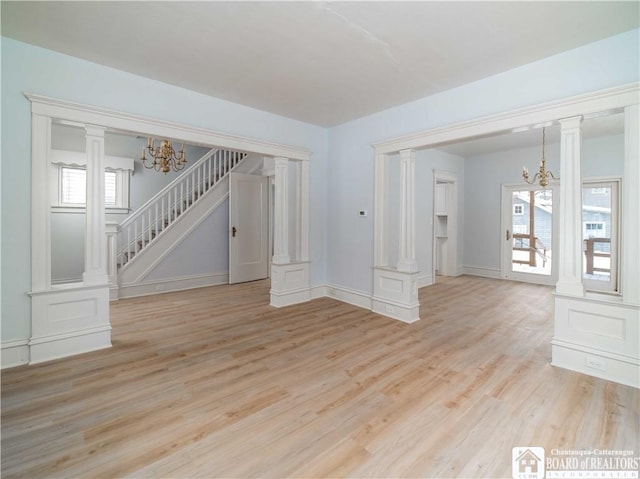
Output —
<point x="542" y="176"/>
<point x="164" y="157"/>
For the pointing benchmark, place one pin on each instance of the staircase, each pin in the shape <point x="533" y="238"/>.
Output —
<point x="156" y="217"/>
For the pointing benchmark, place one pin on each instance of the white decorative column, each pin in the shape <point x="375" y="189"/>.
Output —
<point x="290" y="279"/>
<point x="569" y="257"/>
<point x="95" y="252"/>
<point x="597" y="334"/>
<point x="73" y="318"/>
<point x="407" y="262"/>
<point x="281" y="212"/>
<point x="381" y="257"/>
<point x="40" y="203"/>
<point x="395" y="289"/>
<point x="629" y="251"/>
<point x="302" y="204"/>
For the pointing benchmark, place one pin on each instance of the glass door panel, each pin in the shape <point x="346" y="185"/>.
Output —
<point x="529" y="239"/>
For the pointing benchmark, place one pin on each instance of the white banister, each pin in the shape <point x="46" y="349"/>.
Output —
<point x="147" y="223"/>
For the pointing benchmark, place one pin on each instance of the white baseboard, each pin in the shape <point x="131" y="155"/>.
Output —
<point x="394" y="310"/>
<point x="424" y="280"/>
<point x="484" y="272"/>
<point x="595" y="362"/>
<point x="318" y="291"/>
<point x="14" y="353"/>
<point x="280" y="300"/>
<point x="347" y="295"/>
<point x="171" y="284"/>
<point x="57" y="346"/>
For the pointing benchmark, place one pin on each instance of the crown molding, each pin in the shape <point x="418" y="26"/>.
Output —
<point x="608" y="100"/>
<point x="73" y="112"/>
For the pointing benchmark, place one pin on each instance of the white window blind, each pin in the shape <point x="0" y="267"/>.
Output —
<point x="73" y="188"/>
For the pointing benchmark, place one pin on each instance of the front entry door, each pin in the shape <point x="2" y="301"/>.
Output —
<point x="528" y="235"/>
<point x="248" y="228"/>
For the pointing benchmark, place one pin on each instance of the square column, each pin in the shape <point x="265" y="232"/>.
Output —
<point x="570" y="211"/>
<point x="381" y="257"/>
<point x="281" y="212"/>
<point x="407" y="262"/>
<point x="95" y="251"/>
<point x="302" y="211"/>
<point x="40" y="203"/>
<point x="290" y="279"/>
<point x="395" y="289"/>
<point x="630" y="264"/>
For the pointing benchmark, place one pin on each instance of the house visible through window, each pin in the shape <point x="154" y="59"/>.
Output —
<point x="600" y="235"/>
<point x="517" y="210"/>
<point x="73" y="187"/>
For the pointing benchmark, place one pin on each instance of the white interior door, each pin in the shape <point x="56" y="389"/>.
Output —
<point x="248" y="227"/>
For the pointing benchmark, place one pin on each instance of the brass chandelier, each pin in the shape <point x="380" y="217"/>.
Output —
<point x="542" y="176"/>
<point x="163" y="158"/>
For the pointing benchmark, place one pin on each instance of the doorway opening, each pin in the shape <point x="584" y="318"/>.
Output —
<point x="529" y="239"/>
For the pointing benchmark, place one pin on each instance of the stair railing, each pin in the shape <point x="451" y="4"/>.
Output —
<point x="149" y="221"/>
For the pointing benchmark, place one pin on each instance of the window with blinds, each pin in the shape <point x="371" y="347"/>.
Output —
<point x="73" y="186"/>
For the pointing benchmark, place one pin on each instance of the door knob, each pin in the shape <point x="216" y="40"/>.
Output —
<point x="234" y="231"/>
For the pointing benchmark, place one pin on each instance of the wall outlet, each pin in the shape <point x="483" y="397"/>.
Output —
<point x="595" y="362"/>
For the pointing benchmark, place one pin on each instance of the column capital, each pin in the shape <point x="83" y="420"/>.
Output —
<point x="408" y="154"/>
<point x="571" y="122"/>
<point x="281" y="161"/>
<point x="94" y="130"/>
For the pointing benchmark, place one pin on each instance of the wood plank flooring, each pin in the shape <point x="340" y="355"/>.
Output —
<point x="214" y="383"/>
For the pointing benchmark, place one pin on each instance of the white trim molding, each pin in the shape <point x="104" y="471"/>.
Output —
<point x="69" y="320"/>
<point x="348" y="295"/>
<point x="482" y="271"/>
<point x="289" y="283"/>
<point x="596" y="337"/>
<point x="392" y="294"/>
<point x="94" y="115"/>
<point x="72" y="319"/>
<point x="146" y="288"/>
<point x="595" y="103"/>
<point x="395" y="294"/>
<point x="15" y="352"/>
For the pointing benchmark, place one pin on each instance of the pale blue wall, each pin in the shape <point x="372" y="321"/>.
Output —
<point x="26" y="68"/>
<point x="607" y="63"/>
<point x="602" y="156"/>
<point x="342" y="164"/>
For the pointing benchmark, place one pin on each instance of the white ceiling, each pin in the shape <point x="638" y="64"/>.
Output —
<point x="320" y="62"/>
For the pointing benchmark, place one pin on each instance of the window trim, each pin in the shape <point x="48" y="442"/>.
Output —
<point x="594" y="286"/>
<point x="72" y="159"/>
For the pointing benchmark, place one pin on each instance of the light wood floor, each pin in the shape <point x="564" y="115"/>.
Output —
<point x="214" y="383"/>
